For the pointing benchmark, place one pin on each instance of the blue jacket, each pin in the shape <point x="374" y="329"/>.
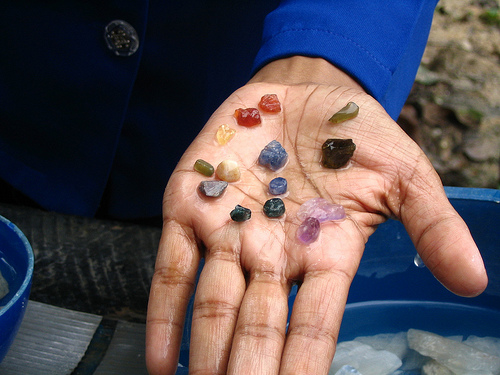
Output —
<point x="82" y="129"/>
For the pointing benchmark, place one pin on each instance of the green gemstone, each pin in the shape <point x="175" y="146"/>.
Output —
<point x="274" y="207"/>
<point x="348" y="112"/>
<point x="240" y="214"/>
<point x="337" y="152"/>
<point x="203" y="167"/>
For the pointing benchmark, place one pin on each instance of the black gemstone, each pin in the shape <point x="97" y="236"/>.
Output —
<point x="337" y="152"/>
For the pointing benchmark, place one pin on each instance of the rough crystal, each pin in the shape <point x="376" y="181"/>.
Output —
<point x="458" y="357"/>
<point x="322" y="210"/>
<point x="228" y="170"/>
<point x="270" y="103"/>
<point x="308" y="231"/>
<point x="240" y="214"/>
<point x="224" y="134"/>
<point x="212" y="188"/>
<point x="337" y="152"/>
<point x="273" y="156"/>
<point x="247" y="116"/>
<point x="350" y="111"/>
<point x="365" y="359"/>
<point x="348" y="370"/>
<point x="278" y="186"/>
<point x="274" y="207"/>
<point x="490" y="345"/>
<point x="204" y="167"/>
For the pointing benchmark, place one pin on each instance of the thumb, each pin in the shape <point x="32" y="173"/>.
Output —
<point x="442" y="238"/>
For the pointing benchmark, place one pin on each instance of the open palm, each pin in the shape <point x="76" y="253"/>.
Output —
<point x="240" y="311"/>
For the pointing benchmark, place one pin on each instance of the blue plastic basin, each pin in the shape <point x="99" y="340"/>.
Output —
<point x="16" y="264"/>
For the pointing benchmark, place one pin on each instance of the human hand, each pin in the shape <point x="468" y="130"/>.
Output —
<point x="240" y="308"/>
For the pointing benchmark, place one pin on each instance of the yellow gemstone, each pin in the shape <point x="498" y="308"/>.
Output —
<point x="228" y="171"/>
<point x="224" y="134"/>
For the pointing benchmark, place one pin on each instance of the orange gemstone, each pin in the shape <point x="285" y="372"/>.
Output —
<point x="247" y="116"/>
<point x="224" y="134"/>
<point x="270" y="103"/>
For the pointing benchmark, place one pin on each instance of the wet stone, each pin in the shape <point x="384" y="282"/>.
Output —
<point x="337" y="152"/>
<point x="278" y="186"/>
<point x="273" y="156"/>
<point x="224" y="134"/>
<point x="204" y="167"/>
<point x="228" y="170"/>
<point x="322" y="210"/>
<point x="240" y="214"/>
<point x="247" y="116"/>
<point x="274" y="207"/>
<point x="308" y="231"/>
<point x="270" y="103"/>
<point x="350" y="111"/>
<point x="212" y="188"/>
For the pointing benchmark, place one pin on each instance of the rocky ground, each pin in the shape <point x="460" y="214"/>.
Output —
<point x="453" y="111"/>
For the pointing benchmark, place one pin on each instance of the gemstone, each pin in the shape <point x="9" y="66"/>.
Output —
<point x="247" y="116"/>
<point x="337" y="152"/>
<point x="228" y="170"/>
<point x="212" y="188"/>
<point x="204" y="167"/>
<point x="278" y="186"/>
<point x="270" y="103"/>
<point x="240" y="214"/>
<point x="273" y="156"/>
<point x="308" y="231"/>
<point x="224" y="134"/>
<point x="274" y="207"/>
<point x="321" y="209"/>
<point x="350" y="111"/>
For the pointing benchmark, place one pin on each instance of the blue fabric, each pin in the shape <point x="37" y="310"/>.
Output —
<point x="85" y="131"/>
<point x="380" y="43"/>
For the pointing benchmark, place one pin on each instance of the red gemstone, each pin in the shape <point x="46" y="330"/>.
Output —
<point x="247" y="116"/>
<point x="270" y="103"/>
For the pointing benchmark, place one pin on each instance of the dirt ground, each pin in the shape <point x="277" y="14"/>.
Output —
<point x="453" y="111"/>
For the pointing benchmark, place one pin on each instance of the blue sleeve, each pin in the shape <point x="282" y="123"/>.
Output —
<point x="380" y="43"/>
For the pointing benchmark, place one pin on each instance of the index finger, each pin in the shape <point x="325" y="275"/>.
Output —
<point x="173" y="284"/>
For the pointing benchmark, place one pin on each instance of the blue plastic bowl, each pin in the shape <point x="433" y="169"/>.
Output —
<point x="391" y="294"/>
<point x="16" y="265"/>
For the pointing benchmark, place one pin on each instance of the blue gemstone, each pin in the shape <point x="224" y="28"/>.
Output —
<point x="278" y="186"/>
<point x="273" y="156"/>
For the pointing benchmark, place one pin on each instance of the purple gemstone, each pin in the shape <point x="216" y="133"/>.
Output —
<point x="321" y="209"/>
<point x="308" y="231"/>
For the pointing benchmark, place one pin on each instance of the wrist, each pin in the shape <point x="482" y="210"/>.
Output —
<point x="300" y="69"/>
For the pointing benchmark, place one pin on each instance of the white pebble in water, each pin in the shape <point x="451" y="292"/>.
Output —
<point x="365" y="359"/>
<point x="490" y="345"/>
<point x="392" y="342"/>
<point x="435" y="368"/>
<point x="433" y="355"/>
<point x="348" y="370"/>
<point x="460" y="358"/>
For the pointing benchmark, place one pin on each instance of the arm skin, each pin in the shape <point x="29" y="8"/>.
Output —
<point x="240" y="310"/>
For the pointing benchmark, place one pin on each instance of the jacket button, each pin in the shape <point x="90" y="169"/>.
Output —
<point x="121" y="38"/>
